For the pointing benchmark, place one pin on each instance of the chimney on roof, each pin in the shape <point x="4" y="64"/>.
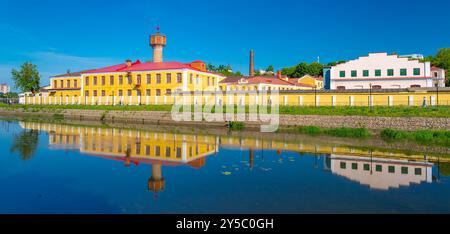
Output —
<point x="251" y="71"/>
<point x="279" y="74"/>
<point x="128" y="63"/>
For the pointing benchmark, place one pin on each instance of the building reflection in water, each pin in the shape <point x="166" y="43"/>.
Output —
<point x="377" y="169"/>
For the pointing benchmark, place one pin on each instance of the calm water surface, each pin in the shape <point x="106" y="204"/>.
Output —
<point x="55" y="168"/>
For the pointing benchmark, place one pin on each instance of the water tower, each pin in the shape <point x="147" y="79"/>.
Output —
<point x="157" y="42"/>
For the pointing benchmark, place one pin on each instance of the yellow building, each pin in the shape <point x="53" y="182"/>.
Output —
<point x="133" y="82"/>
<point x="308" y="80"/>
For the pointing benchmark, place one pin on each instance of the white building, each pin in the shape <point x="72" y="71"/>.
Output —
<point x="380" y="70"/>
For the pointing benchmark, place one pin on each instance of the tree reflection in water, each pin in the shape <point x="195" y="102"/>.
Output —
<point x="25" y="144"/>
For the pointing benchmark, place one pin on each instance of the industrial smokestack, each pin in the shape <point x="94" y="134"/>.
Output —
<point x="251" y="71"/>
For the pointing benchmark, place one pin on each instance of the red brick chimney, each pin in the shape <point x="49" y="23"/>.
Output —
<point x="279" y="74"/>
<point x="128" y="63"/>
<point x="251" y="71"/>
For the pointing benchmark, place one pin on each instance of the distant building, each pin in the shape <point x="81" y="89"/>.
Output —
<point x="412" y="56"/>
<point x="4" y="88"/>
<point x="382" y="71"/>
<point x="311" y="81"/>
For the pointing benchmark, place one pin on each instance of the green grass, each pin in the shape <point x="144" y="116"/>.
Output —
<point x="337" y="132"/>
<point x="398" y="111"/>
<point x="424" y="137"/>
<point x="236" y="126"/>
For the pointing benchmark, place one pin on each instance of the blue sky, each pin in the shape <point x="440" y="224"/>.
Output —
<point x="61" y="35"/>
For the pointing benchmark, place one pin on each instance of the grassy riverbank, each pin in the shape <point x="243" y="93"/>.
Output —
<point x="400" y="111"/>
<point x="423" y="137"/>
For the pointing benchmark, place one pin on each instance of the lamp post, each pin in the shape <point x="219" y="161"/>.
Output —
<point x="370" y="95"/>
<point x="436" y="84"/>
<point x="315" y="95"/>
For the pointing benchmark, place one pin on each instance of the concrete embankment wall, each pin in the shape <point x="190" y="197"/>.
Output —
<point x="165" y="118"/>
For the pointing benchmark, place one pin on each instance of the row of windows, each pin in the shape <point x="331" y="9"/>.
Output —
<point x="377" y="72"/>
<point x="379" y="86"/>
<point x="379" y="168"/>
<point x="157" y="150"/>
<point x="148" y="92"/>
<point x="66" y="85"/>
<point x="129" y="79"/>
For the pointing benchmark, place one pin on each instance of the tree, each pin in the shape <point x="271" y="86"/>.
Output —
<point x="301" y="69"/>
<point x="270" y="68"/>
<point x="27" y="78"/>
<point x="225" y="70"/>
<point x="25" y="144"/>
<point x="442" y="60"/>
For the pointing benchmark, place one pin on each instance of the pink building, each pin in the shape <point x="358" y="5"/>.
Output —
<point x="383" y="71"/>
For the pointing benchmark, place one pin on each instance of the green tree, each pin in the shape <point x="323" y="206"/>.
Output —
<point x="270" y="68"/>
<point x="442" y="60"/>
<point x="25" y="144"/>
<point x="27" y="78"/>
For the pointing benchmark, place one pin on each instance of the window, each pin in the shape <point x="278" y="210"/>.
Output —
<point x="190" y="79"/>
<point x="103" y="80"/>
<point x="343" y="165"/>
<point x="158" y="78"/>
<point x="168" y="78"/>
<point x="208" y="81"/>
<point x="120" y="80"/>
<point x="86" y="93"/>
<point x="213" y="81"/>
<point x="95" y="93"/>
<point x="403" y="72"/>
<point x="390" y="72"/>
<point x="138" y="92"/>
<point x="197" y="80"/>
<point x="417" y="171"/>
<point x="111" y="80"/>
<point x="342" y="74"/>
<point x="157" y="151"/>
<point x="378" y="168"/>
<point x="129" y="92"/>
<point x="391" y="169"/>
<point x="366" y="167"/>
<point x="149" y="79"/>
<point x="120" y="93"/>
<point x="376" y="86"/>
<point x="168" y="91"/>
<point x="147" y="150"/>
<point x="404" y="170"/>
<point x="138" y="81"/>
<point x="129" y="79"/>
<point x="167" y="151"/>
<point x="55" y="84"/>
<point x="355" y="166"/>
<point x="95" y="80"/>
<point x="366" y="73"/>
<point x="158" y="92"/>
<point x="340" y="87"/>
<point x="178" y="154"/>
<point x="417" y="71"/>
<point x="68" y="83"/>
<point x="75" y="83"/>
<point x="86" y="81"/>
<point x="148" y="92"/>
<point x="179" y="78"/>
<point x="378" y="72"/>
<point x="415" y="86"/>
<point x="61" y="83"/>
<point x="103" y="93"/>
<point x="354" y="73"/>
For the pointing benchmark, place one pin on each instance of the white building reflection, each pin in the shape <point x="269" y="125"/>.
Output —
<point x="381" y="173"/>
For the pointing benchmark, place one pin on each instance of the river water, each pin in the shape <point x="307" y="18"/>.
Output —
<point x="58" y="168"/>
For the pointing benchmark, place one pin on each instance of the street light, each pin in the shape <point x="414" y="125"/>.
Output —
<point x="315" y="95"/>
<point x="370" y="95"/>
<point x="436" y="84"/>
